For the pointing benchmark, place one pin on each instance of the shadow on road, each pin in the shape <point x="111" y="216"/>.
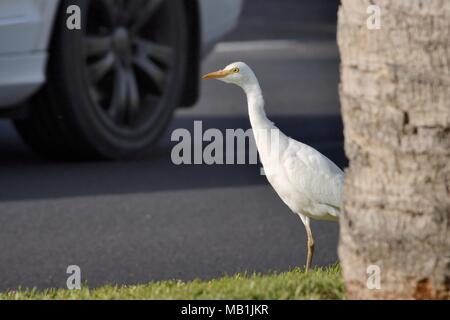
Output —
<point x="25" y="176"/>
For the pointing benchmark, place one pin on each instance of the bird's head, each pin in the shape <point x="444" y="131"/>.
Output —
<point x="237" y="73"/>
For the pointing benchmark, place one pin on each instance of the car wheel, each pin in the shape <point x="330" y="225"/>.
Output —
<point x="113" y="85"/>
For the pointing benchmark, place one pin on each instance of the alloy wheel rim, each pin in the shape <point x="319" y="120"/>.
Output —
<point x="129" y="59"/>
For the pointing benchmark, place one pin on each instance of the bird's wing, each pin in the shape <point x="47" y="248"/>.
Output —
<point x="313" y="174"/>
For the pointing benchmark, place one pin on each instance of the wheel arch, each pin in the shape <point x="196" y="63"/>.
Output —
<point x="191" y="82"/>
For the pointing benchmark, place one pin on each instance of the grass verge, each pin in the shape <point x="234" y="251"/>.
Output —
<point x="319" y="283"/>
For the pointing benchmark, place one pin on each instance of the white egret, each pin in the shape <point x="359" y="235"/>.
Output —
<point x="309" y="183"/>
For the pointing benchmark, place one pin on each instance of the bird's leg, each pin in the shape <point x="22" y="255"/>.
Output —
<point x="310" y="244"/>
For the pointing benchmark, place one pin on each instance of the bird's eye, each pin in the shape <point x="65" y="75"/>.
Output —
<point x="236" y="70"/>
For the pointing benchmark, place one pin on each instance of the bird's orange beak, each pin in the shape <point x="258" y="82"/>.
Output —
<point x="216" y="74"/>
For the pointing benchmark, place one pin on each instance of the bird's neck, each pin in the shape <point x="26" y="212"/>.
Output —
<point x="267" y="136"/>
<point x="255" y="100"/>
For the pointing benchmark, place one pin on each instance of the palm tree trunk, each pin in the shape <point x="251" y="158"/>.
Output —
<point x="395" y="97"/>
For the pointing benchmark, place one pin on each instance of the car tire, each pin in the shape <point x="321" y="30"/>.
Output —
<point x="112" y="86"/>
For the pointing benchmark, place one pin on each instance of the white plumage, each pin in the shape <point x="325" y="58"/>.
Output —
<point x="309" y="183"/>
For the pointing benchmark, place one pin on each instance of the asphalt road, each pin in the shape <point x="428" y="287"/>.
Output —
<point x="147" y="219"/>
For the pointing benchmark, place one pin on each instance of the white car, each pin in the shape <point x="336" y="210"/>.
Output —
<point x="109" y="88"/>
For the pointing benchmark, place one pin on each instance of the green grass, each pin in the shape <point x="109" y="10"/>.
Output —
<point x="319" y="283"/>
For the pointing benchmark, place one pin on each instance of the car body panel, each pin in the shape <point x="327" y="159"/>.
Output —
<point x="220" y="16"/>
<point x="26" y="28"/>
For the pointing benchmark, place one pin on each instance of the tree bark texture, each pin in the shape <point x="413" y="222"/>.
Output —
<point x="395" y="99"/>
